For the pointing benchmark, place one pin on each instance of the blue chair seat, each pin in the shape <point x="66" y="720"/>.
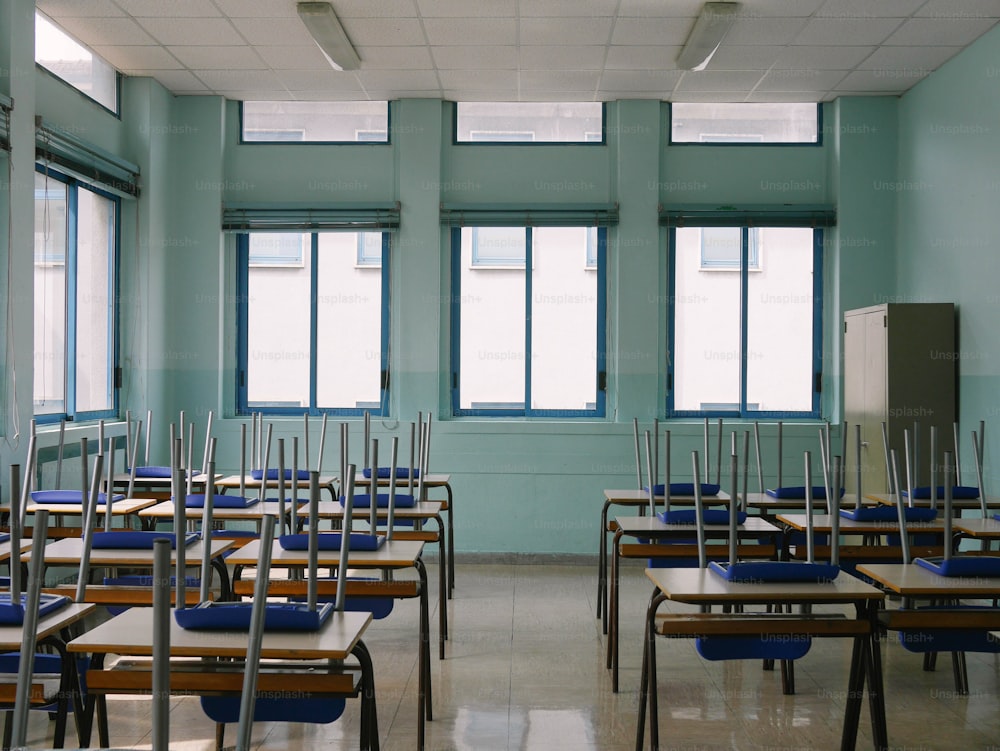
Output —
<point x="708" y="515"/>
<point x="889" y="514"/>
<point x="158" y="473"/>
<point x="236" y="616"/>
<point x="364" y="500"/>
<point x="332" y="541"/>
<point x="958" y="493"/>
<point x="968" y="565"/>
<point x="197" y="500"/>
<point x="12" y="613"/>
<point x="684" y="488"/>
<point x="752" y="647"/>
<point x="70" y="496"/>
<point x="223" y="709"/>
<point x="402" y="473"/>
<point x="775" y="571"/>
<point x="272" y="474"/>
<point x="138" y="540"/>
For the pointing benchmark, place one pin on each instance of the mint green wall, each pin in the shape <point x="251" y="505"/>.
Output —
<point x="948" y="225"/>
<point x="524" y="486"/>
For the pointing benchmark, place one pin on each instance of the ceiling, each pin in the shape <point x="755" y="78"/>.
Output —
<point x="529" y="50"/>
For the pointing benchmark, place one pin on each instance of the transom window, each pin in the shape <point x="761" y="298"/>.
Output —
<point x="75" y="269"/>
<point x="314" y="122"/>
<point x="313" y="333"/>
<point x="76" y="65"/>
<point x="745" y="342"/>
<point x="533" y="122"/>
<point x="528" y="326"/>
<point x="745" y="122"/>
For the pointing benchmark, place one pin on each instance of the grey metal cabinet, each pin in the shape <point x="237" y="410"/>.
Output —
<point x="899" y="368"/>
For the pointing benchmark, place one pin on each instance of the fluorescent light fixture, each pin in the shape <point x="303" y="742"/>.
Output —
<point x="325" y="29"/>
<point x="709" y="30"/>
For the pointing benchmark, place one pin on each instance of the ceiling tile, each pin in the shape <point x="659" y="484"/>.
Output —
<point x="773" y="8"/>
<point x="218" y="58"/>
<point x="306" y="80"/>
<point x="903" y="58"/>
<point x="273" y="31"/>
<point x="960" y="9"/>
<point x="458" y="31"/>
<point x="76" y="9"/>
<point x="562" y="57"/>
<point x="567" y="8"/>
<point x="106" y="31"/>
<point x="239" y="80"/>
<point x="822" y="57"/>
<point x="381" y="58"/>
<point x="724" y="80"/>
<point x="174" y="80"/>
<point x="256" y="8"/>
<point x="639" y="58"/>
<point x="630" y="31"/>
<point x="801" y="80"/>
<point x="861" y="31"/>
<point x="475" y="57"/>
<point x="560" y="80"/>
<point x="478" y="95"/>
<point x="939" y="31"/>
<point x="384" y="32"/>
<point x="764" y="31"/>
<point x="373" y="8"/>
<point x="709" y="96"/>
<point x="196" y="31"/>
<point x="640" y="80"/>
<point x="422" y="80"/>
<point x="128" y="58"/>
<point x="573" y="30"/>
<point x="878" y="81"/>
<point x="864" y="9"/>
<point x="738" y="57"/>
<point x="612" y="95"/>
<point x="555" y="95"/>
<point x="297" y="57"/>
<point x="172" y="9"/>
<point x="460" y="8"/>
<point x="483" y="80"/>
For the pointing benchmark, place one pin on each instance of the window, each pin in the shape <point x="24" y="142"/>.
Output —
<point x="745" y="343"/>
<point x="528" y="336"/>
<point x="538" y="122"/>
<point x="313" y="336"/>
<point x="314" y="122"/>
<point x="75" y="252"/>
<point x="745" y="123"/>
<point x="70" y="61"/>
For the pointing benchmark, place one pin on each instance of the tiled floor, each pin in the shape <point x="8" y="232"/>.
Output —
<point x="525" y="670"/>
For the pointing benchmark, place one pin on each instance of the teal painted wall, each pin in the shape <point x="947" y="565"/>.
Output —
<point x="948" y="225"/>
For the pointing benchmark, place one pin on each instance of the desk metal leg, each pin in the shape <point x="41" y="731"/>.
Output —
<point x="369" y="714"/>
<point x="647" y="683"/>
<point x="876" y="691"/>
<point x="443" y="592"/>
<point x="602" y="569"/>
<point x="425" y="696"/>
<point x="451" y="539"/>
<point x="612" y="657"/>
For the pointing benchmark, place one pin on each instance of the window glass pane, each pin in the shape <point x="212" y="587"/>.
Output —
<point x="499" y="246"/>
<point x="50" y="295"/>
<point x="706" y="327"/>
<point x="94" y="302"/>
<point x="504" y="122"/>
<point x="771" y="122"/>
<point x="492" y="338"/>
<point x="316" y="121"/>
<point x="348" y="326"/>
<point x="58" y="52"/>
<point x="780" y="309"/>
<point x="278" y="321"/>
<point x="563" y="321"/>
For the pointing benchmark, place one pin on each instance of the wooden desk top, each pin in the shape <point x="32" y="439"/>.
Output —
<point x="6" y="548"/>
<point x="233" y="481"/>
<point x="118" y="508"/>
<point x="69" y="549"/>
<point x="431" y="480"/>
<point x="888" y="499"/>
<point x="823" y="523"/>
<point x="986" y="528"/>
<point x="395" y="554"/>
<point x="131" y="634"/>
<point x="11" y="637"/>
<point x="638" y="526"/>
<point x="333" y="510"/>
<point x="695" y="585"/>
<point x="911" y="579"/>
<point x="635" y="497"/>
<point x="256" y="512"/>
<point x="122" y="478"/>
<point x="765" y="502"/>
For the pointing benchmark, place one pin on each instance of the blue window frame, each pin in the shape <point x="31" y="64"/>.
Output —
<point x="77" y="231"/>
<point x="314" y="338"/>
<point x="745" y="344"/>
<point x="528" y="339"/>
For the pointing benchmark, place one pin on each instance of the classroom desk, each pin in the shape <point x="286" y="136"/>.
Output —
<point x="650" y="527"/>
<point x="982" y="529"/>
<point x="157" y="488"/>
<point x="124" y="508"/>
<point x="705" y="588"/>
<point x="418" y="513"/>
<point x="638" y="499"/>
<point x="889" y="499"/>
<point x="769" y="506"/>
<point x="69" y="550"/>
<point x="130" y="634"/>
<point x="432" y="480"/>
<point x="394" y="555"/>
<point x="53" y="630"/>
<point x="232" y="482"/>
<point x="164" y="511"/>
<point x="822" y="524"/>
